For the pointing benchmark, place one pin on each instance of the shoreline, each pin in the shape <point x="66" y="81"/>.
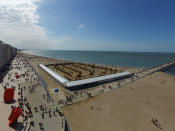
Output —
<point x="50" y="60"/>
<point x="166" y="57"/>
<point x="125" y="67"/>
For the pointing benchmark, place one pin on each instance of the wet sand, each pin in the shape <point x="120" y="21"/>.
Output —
<point x="128" y="109"/>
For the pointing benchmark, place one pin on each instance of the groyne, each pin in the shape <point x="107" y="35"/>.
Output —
<point x="7" y="53"/>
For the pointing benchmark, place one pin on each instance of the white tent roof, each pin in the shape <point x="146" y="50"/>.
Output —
<point x="53" y="74"/>
<point x="96" y="79"/>
<point x="67" y="83"/>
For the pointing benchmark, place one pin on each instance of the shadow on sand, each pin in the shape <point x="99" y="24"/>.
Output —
<point x="11" y="102"/>
<point x="17" y="126"/>
<point x="66" y="126"/>
<point x="4" y="70"/>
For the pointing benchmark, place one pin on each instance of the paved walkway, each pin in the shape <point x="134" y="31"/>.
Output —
<point x="29" y="95"/>
<point x="9" y="80"/>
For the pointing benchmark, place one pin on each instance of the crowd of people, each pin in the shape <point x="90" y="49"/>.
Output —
<point x="23" y="79"/>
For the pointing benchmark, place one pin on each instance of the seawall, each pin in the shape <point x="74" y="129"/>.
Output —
<point x="7" y="53"/>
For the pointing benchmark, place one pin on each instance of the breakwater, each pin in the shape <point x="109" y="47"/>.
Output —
<point x="7" y="53"/>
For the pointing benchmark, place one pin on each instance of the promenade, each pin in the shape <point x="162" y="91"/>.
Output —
<point x="38" y="111"/>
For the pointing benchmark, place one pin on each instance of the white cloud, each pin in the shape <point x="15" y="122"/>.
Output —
<point x="19" y="26"/>
<point x="81" y="26"/>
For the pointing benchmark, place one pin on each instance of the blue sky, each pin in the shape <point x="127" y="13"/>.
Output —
<point x="117" y="25"/>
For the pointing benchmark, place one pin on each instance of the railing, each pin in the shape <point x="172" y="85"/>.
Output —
<point x="43" y="83"/>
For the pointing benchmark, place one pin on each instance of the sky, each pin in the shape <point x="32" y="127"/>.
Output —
<point x="112" y="25"/>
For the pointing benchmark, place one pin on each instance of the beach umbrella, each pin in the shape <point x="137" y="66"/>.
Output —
<point x="56" y="89"/>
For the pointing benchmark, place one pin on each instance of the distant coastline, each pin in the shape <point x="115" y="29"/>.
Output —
<point x="125" y="59"/>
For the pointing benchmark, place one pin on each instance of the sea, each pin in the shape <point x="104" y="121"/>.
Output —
<point x="114" y="58"/>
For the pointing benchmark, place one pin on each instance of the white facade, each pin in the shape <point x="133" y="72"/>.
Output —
<point x="69" y="84"/>
<point x="96" y="79"/>
<point x="53" y="74"/>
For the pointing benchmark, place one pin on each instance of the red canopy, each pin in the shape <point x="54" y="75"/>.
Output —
<point x="17" y="76"/>
<point x="16" y="112"/>
<point x="8" y="94"/>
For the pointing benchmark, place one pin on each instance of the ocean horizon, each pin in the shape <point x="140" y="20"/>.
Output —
<point x="113" y="58"/>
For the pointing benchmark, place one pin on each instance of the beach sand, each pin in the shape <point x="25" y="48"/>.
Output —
<point x="128" y="109"/>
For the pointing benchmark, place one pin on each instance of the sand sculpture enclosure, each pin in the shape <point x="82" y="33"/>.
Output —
<point x="79" y="71"/>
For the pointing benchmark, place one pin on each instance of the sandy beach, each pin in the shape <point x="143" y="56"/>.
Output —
<point x="128" y="109"/>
